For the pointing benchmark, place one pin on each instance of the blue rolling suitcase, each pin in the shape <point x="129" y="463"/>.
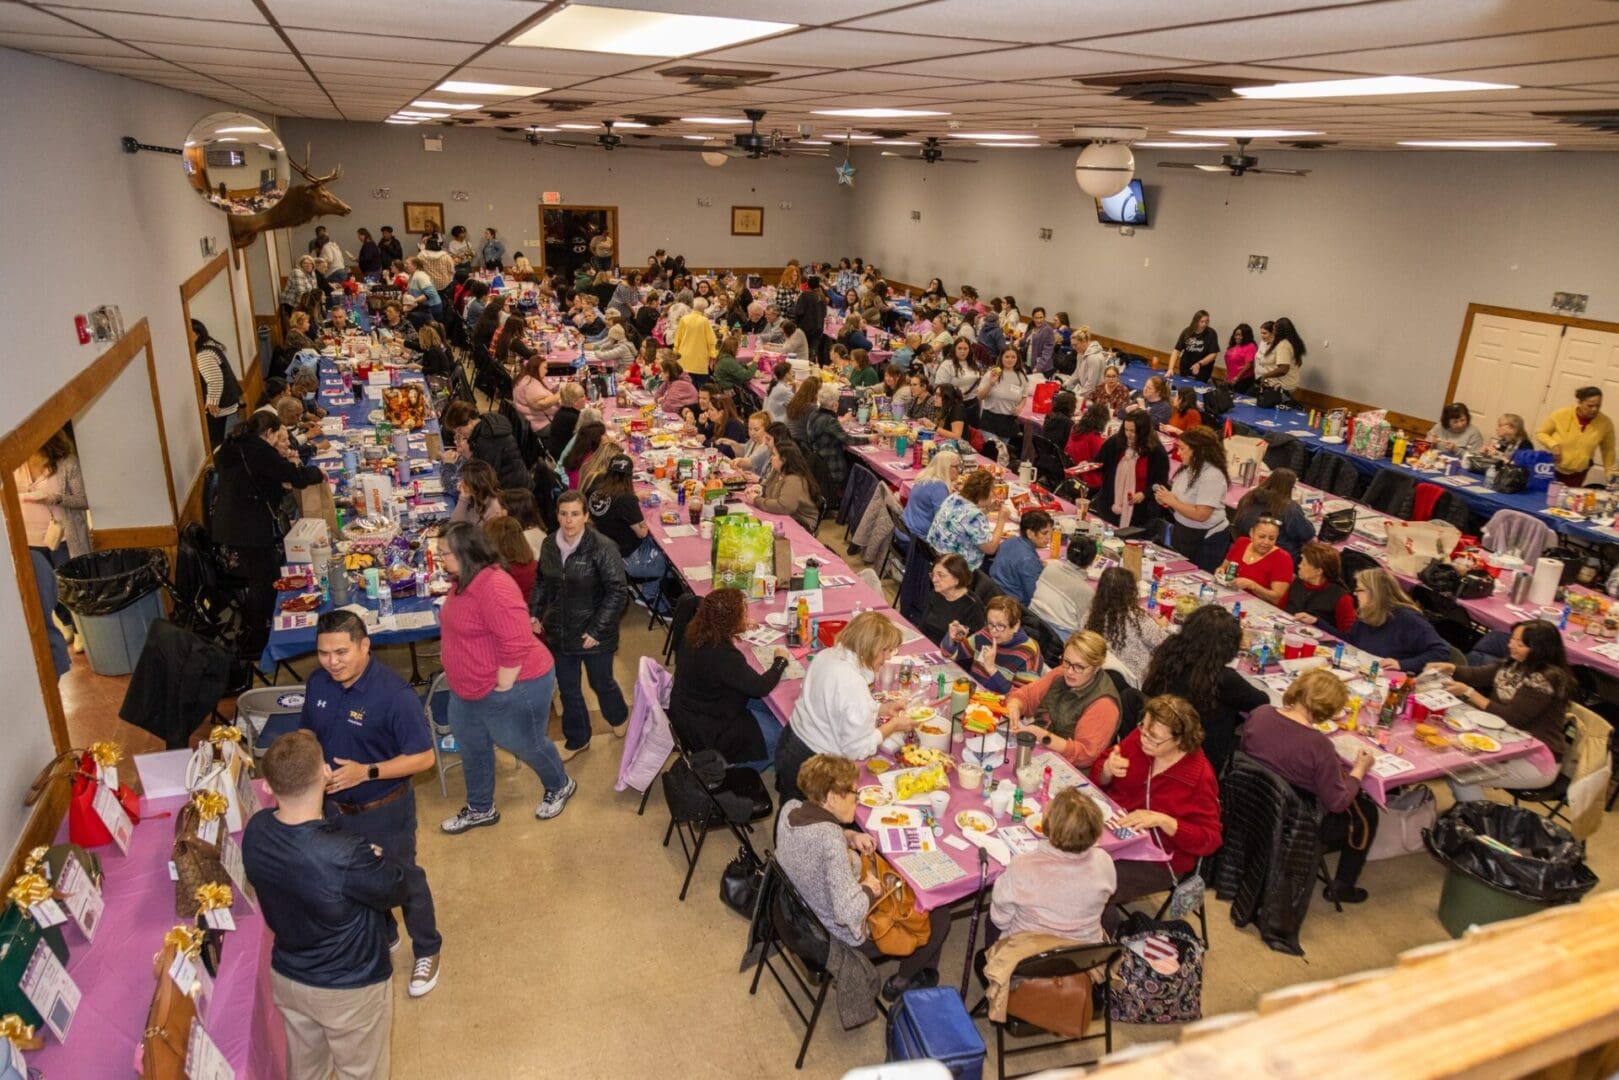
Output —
<point x="933" y="1024"/>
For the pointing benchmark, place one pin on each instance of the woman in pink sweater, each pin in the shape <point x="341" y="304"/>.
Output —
<point x="501" y="679"/>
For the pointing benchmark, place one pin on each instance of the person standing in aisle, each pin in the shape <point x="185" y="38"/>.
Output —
<point x="374" y="732"/>
<point x="222" y="394"/>
<point x="325" y="894"/>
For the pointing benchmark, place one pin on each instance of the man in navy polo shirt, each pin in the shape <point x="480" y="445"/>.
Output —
<point x="375" y="735"/>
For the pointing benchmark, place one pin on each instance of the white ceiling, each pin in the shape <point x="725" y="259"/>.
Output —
<point x="1000" y="65"/>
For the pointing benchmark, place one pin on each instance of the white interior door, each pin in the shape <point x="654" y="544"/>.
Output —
<point x="1506" y="368"/>
<point x="1585" y="358"/>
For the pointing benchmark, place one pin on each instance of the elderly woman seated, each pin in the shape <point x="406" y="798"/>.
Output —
<point x="1062" y="886"/>
<point x="1001" y="656"/>
<point x="822" y="859"/>
<point x="1074" y="707"/>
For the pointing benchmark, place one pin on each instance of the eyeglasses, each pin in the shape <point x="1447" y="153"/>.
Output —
<point x="999" y="628"/>
<point x="1074" y="665"/>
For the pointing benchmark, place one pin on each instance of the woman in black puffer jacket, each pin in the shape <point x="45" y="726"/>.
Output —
<point x="580" y="595"/>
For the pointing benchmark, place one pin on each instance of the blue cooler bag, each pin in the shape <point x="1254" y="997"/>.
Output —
<point x="1541" y="466"/>
<point x="933" y="1024"/>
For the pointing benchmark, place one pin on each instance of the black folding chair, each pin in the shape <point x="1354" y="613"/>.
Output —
<point x="802" y="945"/>
<point x="1070" y="961"/>
<point x="1048" y="463"/>
<point x="697" y="806"/>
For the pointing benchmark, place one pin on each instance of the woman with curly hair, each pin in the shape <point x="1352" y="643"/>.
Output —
<point x="1195" y="664"/>
<point x="716" y="702"/>
<point x="1116" y="614"/>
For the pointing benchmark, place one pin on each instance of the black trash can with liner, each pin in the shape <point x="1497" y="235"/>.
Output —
<point x="1502" y="862"/>
<point x="114" y="596"/>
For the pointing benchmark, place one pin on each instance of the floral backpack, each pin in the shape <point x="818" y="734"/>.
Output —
<point x="1159" y="976"/>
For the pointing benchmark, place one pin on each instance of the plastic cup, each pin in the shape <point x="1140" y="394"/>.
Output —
<point x="969" y="776"/>
<point x="939" y="801"/>
<point x="769" y="581"/>
<point x="1297" y="646"/>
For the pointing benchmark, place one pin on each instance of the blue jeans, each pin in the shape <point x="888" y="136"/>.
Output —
<point x="575" y="716"/>
<point x="516" y="721"/>
<point x="647" y="562"/>
<point x="770" y="729"/>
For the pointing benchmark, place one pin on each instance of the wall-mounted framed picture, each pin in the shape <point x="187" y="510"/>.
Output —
<point x="747" y="221"/>
<point x="424" y="217"/>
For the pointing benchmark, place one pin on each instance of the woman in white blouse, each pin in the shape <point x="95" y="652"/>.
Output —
<point x="836" y="713"/>
<point x="1001" y="395"/>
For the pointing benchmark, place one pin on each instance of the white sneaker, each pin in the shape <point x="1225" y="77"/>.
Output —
<point x="424" y="976"/>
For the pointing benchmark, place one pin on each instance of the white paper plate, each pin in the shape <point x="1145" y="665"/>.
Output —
<point x="778" y="619"/>
<point x="1334" y="439"/>
<point x="911" y="814"/>
<point x="1485" y="721"/>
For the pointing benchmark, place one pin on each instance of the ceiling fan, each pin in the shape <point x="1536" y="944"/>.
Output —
<point x="607" y="140"/>
<point x="753" y="144"/>
<point x="533" y="137"/>
<point x="930" y="153"/>
<point x="1237" y="164"/>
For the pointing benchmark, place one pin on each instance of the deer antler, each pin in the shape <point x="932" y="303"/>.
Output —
<point x="303" y="170"/>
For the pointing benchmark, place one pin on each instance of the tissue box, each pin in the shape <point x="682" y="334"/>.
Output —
<point x="303" y="537"/>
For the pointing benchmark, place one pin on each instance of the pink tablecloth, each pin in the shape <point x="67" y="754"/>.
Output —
<point x="115" y="973"/>
<point x="1434" y="764"/>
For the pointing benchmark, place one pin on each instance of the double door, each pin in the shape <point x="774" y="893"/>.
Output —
<point x="1532" y="367"/>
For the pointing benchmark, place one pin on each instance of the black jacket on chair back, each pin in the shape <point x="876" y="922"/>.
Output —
<point x="586" y="595"/>
<point x="493" y="441"/>
<point x="252" y="475"/>
<point x="1272" y="846"/>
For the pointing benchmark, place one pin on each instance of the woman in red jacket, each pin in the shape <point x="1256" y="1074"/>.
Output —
<point x="1084" y="442"/>
<point x="1160" y="778"/>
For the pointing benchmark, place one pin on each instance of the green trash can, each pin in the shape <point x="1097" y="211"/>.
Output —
<point x="1502" y="862"/>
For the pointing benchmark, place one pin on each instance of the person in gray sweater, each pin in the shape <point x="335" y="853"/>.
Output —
<point x="822" y="859"/>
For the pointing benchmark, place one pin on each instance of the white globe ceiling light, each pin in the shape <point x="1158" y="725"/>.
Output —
<point x="714" y="158"/>
<point x="1104" y="168"/>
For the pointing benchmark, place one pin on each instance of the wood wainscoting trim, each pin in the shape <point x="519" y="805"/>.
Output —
<point x="192" y="509"/>
<point x="40" y="828"/>
<point x="137" y="536"/>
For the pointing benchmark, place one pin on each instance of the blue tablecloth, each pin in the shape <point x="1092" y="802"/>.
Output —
<point x="286" y="644"/>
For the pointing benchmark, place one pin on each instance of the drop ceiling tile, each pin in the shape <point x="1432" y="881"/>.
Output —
<point x="63" y="44"/>
<point x="231" y="10"/>
<point x="850" y="48"/>
<point x="519" y="59"/>
<point x="429" y="74"/>
<point x="789" y="11"/>
<point x="125" y="65"/>
<point x="141" y="28"/>
<point x="1511" y="49"/>
<point x="1040" y="21"/>
<point x="1360" y="26"/>
<point x="865" y="82"/>
<point x="379" y="47"/>
<point x="1568" y="72"/>
<point x="1033" y="62"/>
<point x="464" y="20"/>
<point x="240" y="58"/>
<point x="16" y="19"/>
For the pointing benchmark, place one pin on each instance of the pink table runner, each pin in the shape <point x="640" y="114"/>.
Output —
<point x="115" y="973"/>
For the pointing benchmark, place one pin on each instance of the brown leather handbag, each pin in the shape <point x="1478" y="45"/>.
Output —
<point x="894" y="924"/>
<point x="168" y="1025"/>
<point x="196" y="861"/>
<point x="1060" y="1005"/>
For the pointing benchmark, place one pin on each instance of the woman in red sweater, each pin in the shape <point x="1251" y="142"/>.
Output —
<point x="1160" y="778"/>
<point x="501" y="679"/>
<point x="1263" y="568"/>
<point x="506" y="535"/>
<point x="1084" y="442"/>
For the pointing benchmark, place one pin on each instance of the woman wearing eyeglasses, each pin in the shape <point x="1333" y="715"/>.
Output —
<point x="1112" y="392"/>
<point x="1073" y="708"/>
<point x="1001" y="656"/>
<point x="1263" y="568"/>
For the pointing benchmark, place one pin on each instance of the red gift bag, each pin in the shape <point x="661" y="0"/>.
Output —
<point x="1043" y="394"/>
<point x="84" y="825"/>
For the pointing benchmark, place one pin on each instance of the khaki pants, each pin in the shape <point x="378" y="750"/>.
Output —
<point x="342" y="1030"/>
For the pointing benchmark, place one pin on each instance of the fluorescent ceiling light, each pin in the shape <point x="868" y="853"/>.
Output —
<point x="894" y="142"/>
<point x="1378" y="86"/>
<point x="454" y="106"/>
<point x="855" y="138"/>
<point x="877" y="114"/>
<point x="629" y="124"/>
<point x="244" y="131"/>
<point x="455" y="86"/>
<point x="536" y="127"/>
<point x="1010" y="145"/>
<point x="411" y="115"/>
<point x="721" y="121"/>
<point x="701" y="138"/>
<point x="1244" y="133"/>
<point x="397" y="121"/>
<point x="581" y="27"/>
<point x="808" y="142"/>
<point x="578" y="127"/>
<point x="1174" y="144"/>
<point x="992" y="136"/>
<point x="1476" y="144"/>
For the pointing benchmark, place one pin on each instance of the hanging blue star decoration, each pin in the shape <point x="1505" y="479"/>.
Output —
<point x="846" y="174"/>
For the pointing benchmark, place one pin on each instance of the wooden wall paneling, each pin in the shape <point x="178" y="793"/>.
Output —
<point x="188" y="290"/>
<point x="34" y="615"/>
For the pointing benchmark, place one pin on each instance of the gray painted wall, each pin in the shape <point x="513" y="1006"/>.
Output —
<point x="1374" y="256"/>
<point x="656" y="193"/>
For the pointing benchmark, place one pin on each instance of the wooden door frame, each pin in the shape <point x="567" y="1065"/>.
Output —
<point x="1512" y="313"/>
<point x="16" y="447"/>
<point x="250" y="376"/>
<point x="613" y="220"/>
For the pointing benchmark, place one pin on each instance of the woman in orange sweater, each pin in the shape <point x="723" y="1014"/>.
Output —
<point x="1185" y="417"/>
<point x="1074" y="707"/>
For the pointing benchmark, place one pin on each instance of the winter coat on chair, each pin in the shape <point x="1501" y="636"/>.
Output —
<point x="1272" y="847"/>
<point x="493" y="441"/>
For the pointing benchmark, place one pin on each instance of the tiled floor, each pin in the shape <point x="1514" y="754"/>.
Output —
<point x="566" y="952"/>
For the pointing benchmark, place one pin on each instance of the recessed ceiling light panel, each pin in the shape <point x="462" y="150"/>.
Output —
<point x="716" y="121"/>
<point x="456" y="86"/>
<point x="1476" y="144"/>
<point x="1243" y="133"/>
<point x="1176" y="144"/>
<point x="992" y="136"/>
<point x="1379" y="86"/>
<point x="581" y="27"/>
<point x="877" y="114"/>
<point x="453" y="106"/>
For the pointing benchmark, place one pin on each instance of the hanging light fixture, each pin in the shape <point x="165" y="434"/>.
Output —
<point x="714" y="158"/>
<point x="1106" y="166"/>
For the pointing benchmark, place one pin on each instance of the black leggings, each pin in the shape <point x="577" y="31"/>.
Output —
<point x="1351" y="832"/>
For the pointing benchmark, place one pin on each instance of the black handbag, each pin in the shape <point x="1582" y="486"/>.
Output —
<point x="1216" y="402"/>
<point x="1336" y="526"/>
<point x="1510" y="479"/>
<point x="1475" y="585"/>
<point x="739" y="884"/>
<point x="1443" y="578"/>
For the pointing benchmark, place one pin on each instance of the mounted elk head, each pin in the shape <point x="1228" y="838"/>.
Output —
<point x="302" y="203"/>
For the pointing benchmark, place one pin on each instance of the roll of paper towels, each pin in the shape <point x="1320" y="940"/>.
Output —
<point x="1548" y="575"/>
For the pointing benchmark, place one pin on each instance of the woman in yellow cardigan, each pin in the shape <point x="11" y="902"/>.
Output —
<point x="1578" y="435"/>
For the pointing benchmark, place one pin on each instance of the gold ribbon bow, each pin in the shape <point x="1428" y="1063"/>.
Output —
<point x="28" y="890"/>
<point x="224" y="734"/>
<point x="210" y="804"/>
<point x="106" y="754"/>
<point x="36" y="859"/>
<point x="185" y="939"/>
<point x="213" y="895"/>
<point x="19" y="1034"/>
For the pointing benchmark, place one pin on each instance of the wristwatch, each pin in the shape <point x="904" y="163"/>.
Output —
<point x="374" y="772"/>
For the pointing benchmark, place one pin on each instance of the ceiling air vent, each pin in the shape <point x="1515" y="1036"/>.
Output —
<point x="1169" y="89"/>
<point x="1307" y="144"/>
<point x="715" y="78"/>
<point x="1604" y="120"/>
<point x="651" y="121"/>
<point x="563" y="104"/>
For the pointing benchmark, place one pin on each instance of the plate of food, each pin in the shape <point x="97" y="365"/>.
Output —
<point x="979" y="719"/>
<point x="894" y="817"/>
<point x="1483" y="721"/>
<point x="921" y="757"/>
<point x="301" y="602"/>
<point x="975" y="821"/>
<point x="1432" y="737"/>
<point x="439" y="586"/>
<point x="877" y="766"/>
<point x="875" y="795"/>
<point x="374" y="416"/>
<point x="778" y="619"/>
<point x="1459" y="720"/>
<point x="1478" y="742"/>
<point x="692" y="442"/>
<point x="915" y="785"/>
<point x="291" y="584"/>
<point x="1036" y="824"/>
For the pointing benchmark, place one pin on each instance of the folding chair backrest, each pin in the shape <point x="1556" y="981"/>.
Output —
<point x="797" y="927"/>
<point x="436" y="704"/>
<point x="1068" y="960"/>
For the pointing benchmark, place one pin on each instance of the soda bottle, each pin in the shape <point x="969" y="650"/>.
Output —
<point x="385" y="599"/>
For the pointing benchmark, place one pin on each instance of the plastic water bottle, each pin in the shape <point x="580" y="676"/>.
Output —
<point x="385" y="600"/>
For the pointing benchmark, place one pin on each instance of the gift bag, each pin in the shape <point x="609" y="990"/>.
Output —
<point x="1369" y="437"/>
<point x="84" y="826"/>
<point x="20" y="935"/>
<point x="1400" y="824"/>
<point x="740" y="544"/>
<point x="1540" y="465"/>
<point x="219" y="766"/>
<point x="316" y="501"/>
<point x="1412" y="545"/>
<point x="1043" y="395"/>
<point x="1241" y="448"/>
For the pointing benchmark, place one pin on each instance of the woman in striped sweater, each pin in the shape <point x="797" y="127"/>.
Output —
<point x="1001" y="656"/>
